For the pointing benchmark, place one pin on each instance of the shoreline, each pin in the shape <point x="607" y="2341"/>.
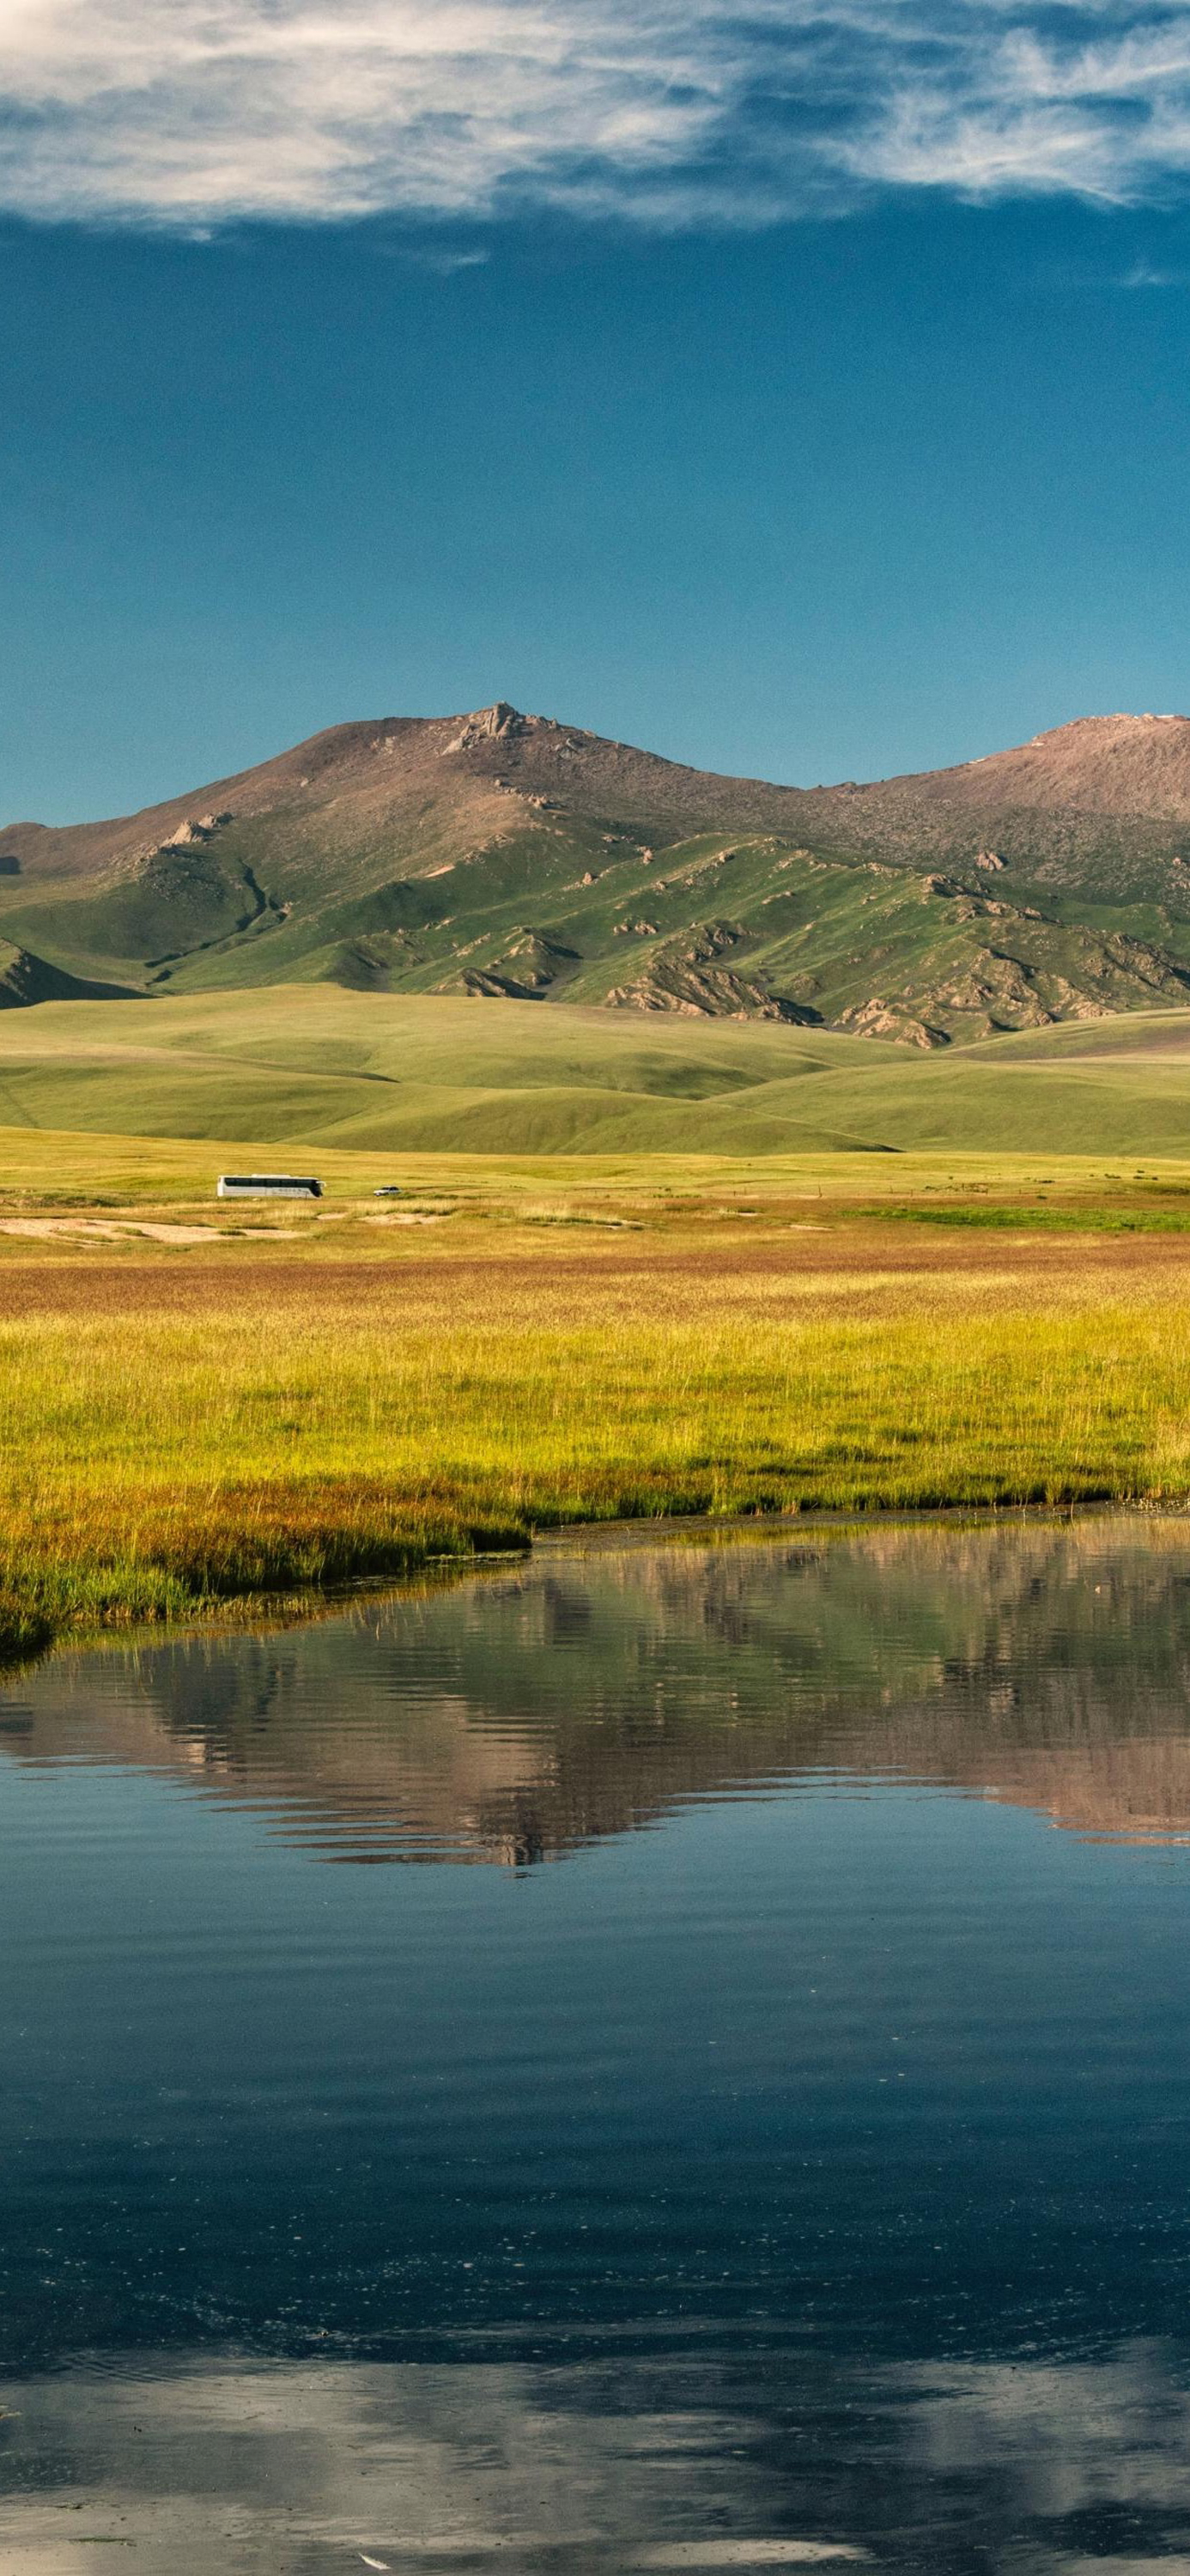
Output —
<point x="188" y="1437"/>
<point x="308" y="1605"/>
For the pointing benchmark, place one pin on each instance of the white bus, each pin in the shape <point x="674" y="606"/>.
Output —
<point x="266" y="1185"/>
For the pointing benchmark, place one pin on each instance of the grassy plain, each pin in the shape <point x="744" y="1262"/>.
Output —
<point x="641" y="1266"/>
<point x="202" y="1404"/>
<point x="319" y="1069"/>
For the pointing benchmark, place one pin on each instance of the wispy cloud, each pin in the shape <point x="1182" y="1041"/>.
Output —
<point x="1142" y="274"/>
<point x="197" y="113"/>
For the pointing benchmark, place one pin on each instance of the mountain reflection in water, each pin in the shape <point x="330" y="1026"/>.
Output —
<point x="522" y="1714"/>
<point x="797" y="2181"/>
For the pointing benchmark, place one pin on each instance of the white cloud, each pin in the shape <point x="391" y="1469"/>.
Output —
<point x="196" y="113"/>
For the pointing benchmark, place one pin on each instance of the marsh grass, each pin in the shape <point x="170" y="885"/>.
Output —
<point x="998" y="1216"/>
<point x="177" y="1438"/>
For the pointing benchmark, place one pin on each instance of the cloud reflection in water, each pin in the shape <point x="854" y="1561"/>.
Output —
<point x="668" y="2465"/>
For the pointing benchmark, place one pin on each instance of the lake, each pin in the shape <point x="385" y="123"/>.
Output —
<point x="672" y="2055"/>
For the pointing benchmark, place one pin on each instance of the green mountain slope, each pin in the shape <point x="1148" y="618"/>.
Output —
<point x="25" y="979"/>
<point x="510" y="858"/>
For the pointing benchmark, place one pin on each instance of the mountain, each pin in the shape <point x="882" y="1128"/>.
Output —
<point x="1105" y="765"/>
<point x="500" y="854"/>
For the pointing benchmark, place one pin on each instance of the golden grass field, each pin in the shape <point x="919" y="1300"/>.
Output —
<point x="203" y="1404"/>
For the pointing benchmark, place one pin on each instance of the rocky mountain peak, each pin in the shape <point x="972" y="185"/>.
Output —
<point x="497" y="723"/>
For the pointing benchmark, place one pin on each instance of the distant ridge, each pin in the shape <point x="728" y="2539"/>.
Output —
<point x="1118" y="765"/>
<point x="511" y="855"/>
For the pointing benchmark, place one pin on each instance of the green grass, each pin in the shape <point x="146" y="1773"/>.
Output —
<point x="1002" y="1217"/>
<point x="382" y="1075"/>
<point x="100" y="1178"/>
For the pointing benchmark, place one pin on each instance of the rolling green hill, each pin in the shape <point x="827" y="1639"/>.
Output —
<point x="382" y="1074"/>
<point x="511" y="859"/>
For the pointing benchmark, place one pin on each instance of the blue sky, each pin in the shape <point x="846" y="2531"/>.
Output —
<point x="803" y="395"/>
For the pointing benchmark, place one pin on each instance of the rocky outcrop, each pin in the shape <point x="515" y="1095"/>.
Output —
<point x="525" y="972"/>
<point x="498" y="723"/>
<point x="879" y="1019"/>
<point x="1001" y="992"/>
<point x="708" y="992"/>
<point x="191" y="834"/>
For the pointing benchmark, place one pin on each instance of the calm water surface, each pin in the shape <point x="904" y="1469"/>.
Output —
<point x="672" y="2057"/>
